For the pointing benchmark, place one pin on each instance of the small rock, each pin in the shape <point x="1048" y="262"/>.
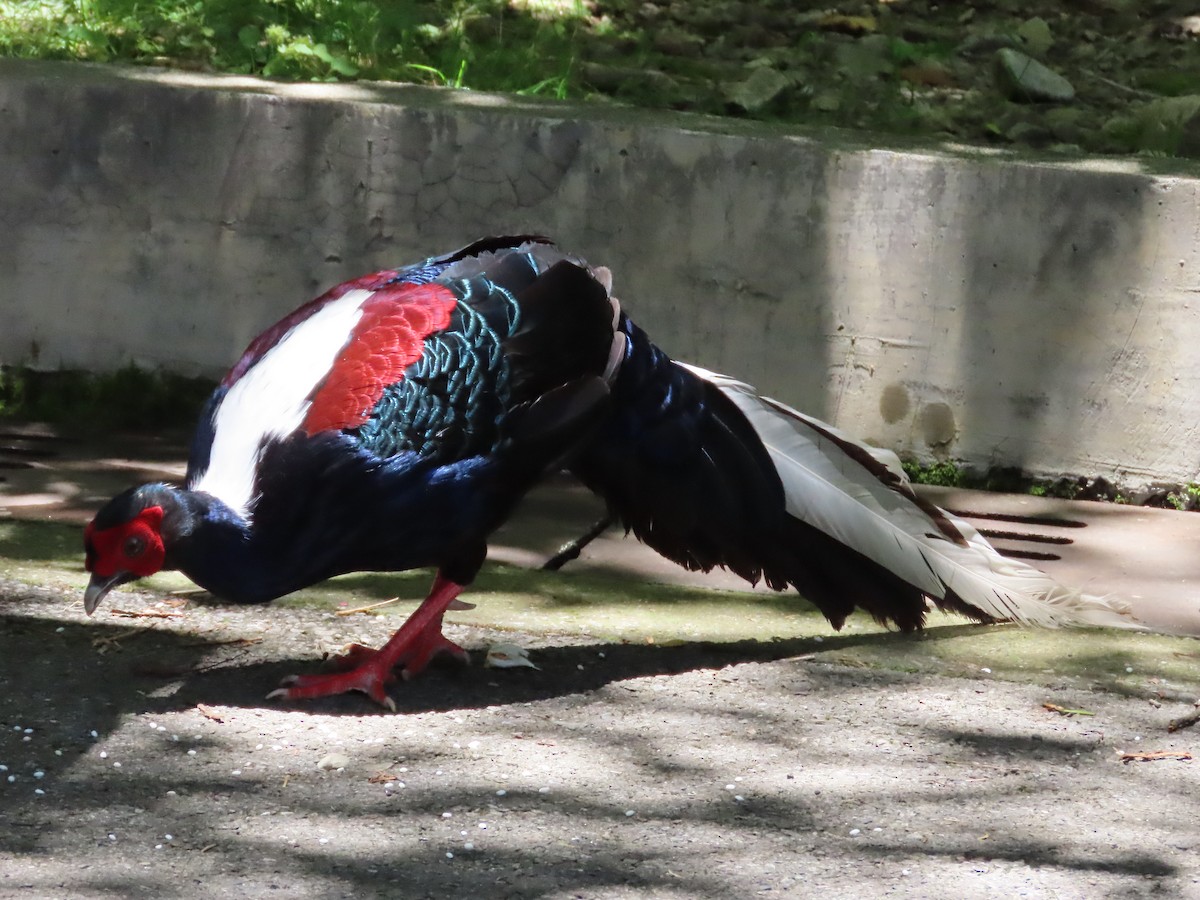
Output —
<point x="334" y="761"/>
<point x="1023" y="79"/>
<point x="762" y="87"/>
<point x="1035" y="33"/>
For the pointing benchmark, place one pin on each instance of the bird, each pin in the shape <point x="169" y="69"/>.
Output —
<point x="398" y="419"/>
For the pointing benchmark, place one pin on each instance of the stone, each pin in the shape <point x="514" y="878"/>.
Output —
<point x="1025" y="80"/>
<point x="757" y="91"/>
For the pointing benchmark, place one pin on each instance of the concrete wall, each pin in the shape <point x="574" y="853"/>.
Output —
<point x="974" y="308"/>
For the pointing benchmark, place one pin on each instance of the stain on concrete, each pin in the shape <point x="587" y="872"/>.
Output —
<point x="938" y="427"/>
<point x="894" y="403"/>
<point x="1029" y="406"/>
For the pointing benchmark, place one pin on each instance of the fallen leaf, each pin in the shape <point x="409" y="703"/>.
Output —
<point x="209" y="713"/>
<point x="848" y="24"/>
<point x="507" y="656"/>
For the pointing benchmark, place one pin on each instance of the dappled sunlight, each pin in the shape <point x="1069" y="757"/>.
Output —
<point x="705" y="783"/>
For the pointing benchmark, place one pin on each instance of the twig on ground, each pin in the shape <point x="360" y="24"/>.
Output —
<point x="1152" y="755"/>
<point x="365" y="609"/>
<point x="1063" y="711"/>
<point x="145" y="614"/>
<point x="1184" y="721"/>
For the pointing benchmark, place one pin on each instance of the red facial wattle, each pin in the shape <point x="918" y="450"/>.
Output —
<point x="134" y="547"/>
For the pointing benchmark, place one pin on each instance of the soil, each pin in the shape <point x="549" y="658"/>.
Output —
<point x="141" y="759"/>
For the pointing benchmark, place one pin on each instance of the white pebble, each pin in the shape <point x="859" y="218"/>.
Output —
<point x="447" y="815"/>
<point x="236" y="772"/>
<point x="158" y="846"/>
<point x="855" y="832"/>
<point x="629" y="812"/>
<point x="543" y="790"/>
<point x="12" y="779"/>
<point x="1129" y="668"/>
<point x="191" y="753"/>
<point x="468" y="846"/>
<point x="104" y="754"/>
<point x="986" y="671"/>
<point x="449" y="855"/>
<point x="39" y="774"/>
<point x="168" y="837"/>
<point x="95" y="733"/>
<point x="738" y="797"/>
<point x="39" y="791"/>
<point x="116" y="765"/>
<point x="501" y="792"/>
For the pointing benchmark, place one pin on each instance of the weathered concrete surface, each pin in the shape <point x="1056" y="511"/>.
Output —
<point x="983" y="309"/>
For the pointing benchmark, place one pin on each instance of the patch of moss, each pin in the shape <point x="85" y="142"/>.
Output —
<point x="130" y="397"/>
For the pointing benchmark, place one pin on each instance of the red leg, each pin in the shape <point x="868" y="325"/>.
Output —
<point x="413" y="645"/>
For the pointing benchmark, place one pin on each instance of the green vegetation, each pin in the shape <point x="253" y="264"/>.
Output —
<point x="462" y="44"/>
<point x="940" y="474"/>
<point x="1187" y="497"/>
<point x="912" y="67"/>
<point x="126" y="398"/>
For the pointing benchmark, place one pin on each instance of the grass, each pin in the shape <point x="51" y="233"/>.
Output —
<point x="477" y="44"/>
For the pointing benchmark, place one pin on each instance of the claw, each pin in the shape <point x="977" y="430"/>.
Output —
<point x="410" y="650"/>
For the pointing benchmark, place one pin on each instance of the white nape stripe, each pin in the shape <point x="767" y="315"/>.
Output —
<point x="271" y="400"/>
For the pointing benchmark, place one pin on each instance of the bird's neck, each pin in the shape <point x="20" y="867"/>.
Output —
<point x="225" y="554"/>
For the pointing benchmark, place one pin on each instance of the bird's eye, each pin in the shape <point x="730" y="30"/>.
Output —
<point x="135" y="546"/>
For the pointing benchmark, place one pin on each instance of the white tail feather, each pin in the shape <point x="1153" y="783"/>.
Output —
<point x="828" y="488"/>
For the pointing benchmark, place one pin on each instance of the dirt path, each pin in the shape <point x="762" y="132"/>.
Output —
<point x="146" y="763"/>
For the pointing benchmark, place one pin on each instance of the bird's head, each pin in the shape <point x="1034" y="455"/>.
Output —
<point x="125" y="541"/>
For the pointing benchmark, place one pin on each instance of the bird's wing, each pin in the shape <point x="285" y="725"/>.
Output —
<point x="847" y="491"/>
<point x="432" y="360"/>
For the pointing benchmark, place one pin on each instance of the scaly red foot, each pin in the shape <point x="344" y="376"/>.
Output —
<point x="412" y="647"/>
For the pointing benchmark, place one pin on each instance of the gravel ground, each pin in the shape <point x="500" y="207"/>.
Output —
<point x="141" y="760"/>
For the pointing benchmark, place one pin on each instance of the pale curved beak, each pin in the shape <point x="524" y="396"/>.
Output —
<point x="101" y="585"/>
